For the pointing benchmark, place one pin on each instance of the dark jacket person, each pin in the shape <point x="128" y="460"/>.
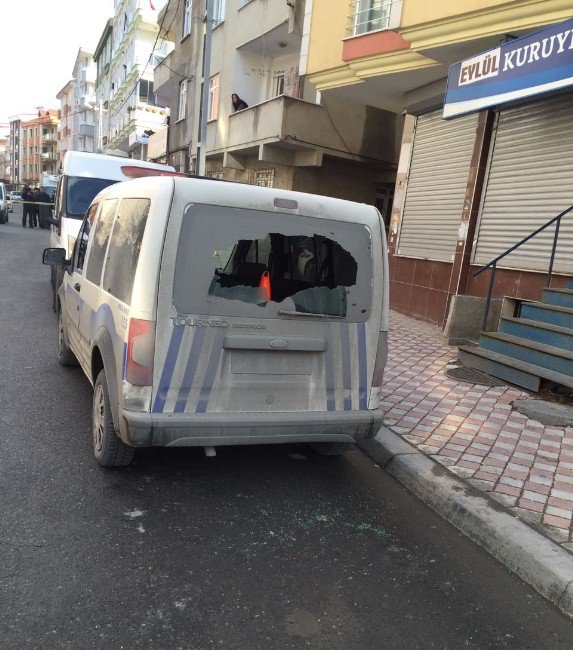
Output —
<point x="238" y="103"/>
<point x="27" y="208"/>
<point x="44" y="211"/>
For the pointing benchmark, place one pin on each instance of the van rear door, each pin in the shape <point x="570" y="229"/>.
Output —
<point x="265" y="312"/>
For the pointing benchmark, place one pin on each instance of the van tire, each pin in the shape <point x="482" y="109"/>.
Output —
<point x="65" y="356"/>
<point x="330" y="448"/>
<point x="109" y="449"/>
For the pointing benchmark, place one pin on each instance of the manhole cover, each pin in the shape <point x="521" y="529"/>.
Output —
<point x="471" y="376"/>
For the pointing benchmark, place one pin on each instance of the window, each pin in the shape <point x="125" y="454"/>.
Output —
<point x="187" y="18"/>
<point x="264" y="177"/>
<point x="214" y="97"/>
<point x="146" y="92"/>
<point x="124" y="248"/>
<point x="278" y="83"/>
<point x="99" y="243"/>
<point x="82" y="240"/>
<point x="182" y="108"/>
<point x="80" y="192"/>
<point x="371" y="15"/>
<point x="314" y="266"/>
<point x="218" y="11"/>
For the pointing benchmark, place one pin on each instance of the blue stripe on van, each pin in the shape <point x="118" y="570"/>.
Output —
<point x="216" y="350"/>
<point x="362" y="368"/>
<point x="167" y="373"/>
<point x="124" y="362"/>
<point x="346" y="367"/>
<point x="190" y="370"/>
<point x="329" y="369"/>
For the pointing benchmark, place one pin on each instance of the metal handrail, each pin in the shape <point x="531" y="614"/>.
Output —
<point x="493" y="264"/>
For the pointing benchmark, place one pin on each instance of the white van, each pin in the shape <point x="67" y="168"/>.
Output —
<point x="83" y="176"/>
<point x="208" y="313"/>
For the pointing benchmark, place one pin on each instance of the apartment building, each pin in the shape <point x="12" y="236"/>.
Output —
<point x="470" y="186"/>
<point x="289" y="136"/>
<point x="125" y="57"/>
<point x="65" y="128"/>
<point x="77" y="107"/>
<point x="39" y="146"/>
<point x="16" y="148"/>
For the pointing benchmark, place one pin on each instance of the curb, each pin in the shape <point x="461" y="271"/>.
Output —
<point x="533" y="557"/>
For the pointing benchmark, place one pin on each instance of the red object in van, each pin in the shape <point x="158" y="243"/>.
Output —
<point x="265" y="285"/>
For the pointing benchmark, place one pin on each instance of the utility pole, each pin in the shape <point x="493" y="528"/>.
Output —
<point x="205" y="88"/>
<point x="100" y="127"/>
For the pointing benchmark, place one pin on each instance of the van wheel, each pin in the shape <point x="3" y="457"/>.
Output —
<point x="330" y="448"/>
<point x="65" y="356"/>
<point x="109" y="449"/>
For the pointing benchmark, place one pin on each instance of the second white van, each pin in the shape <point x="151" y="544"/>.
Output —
<point x="83" y="176"/>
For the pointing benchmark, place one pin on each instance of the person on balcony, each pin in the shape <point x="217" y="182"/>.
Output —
<point x="238" y="103"/>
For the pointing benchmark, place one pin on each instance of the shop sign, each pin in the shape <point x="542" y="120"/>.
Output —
<point x="530" y="65"/>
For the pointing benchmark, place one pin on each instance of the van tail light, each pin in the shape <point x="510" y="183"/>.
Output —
<point x="378" y="375"/>
<point x="140" y="352"/>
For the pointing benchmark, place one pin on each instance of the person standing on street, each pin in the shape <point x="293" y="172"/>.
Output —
<point x="45" y="210"/>
<point x="26" y="207"/>
<point x="35" y="206"/>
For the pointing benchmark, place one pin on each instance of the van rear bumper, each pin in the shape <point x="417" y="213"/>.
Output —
<point x="216" y="429"/>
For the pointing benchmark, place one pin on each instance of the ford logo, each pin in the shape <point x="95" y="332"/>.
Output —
<point x="280" y="344"/>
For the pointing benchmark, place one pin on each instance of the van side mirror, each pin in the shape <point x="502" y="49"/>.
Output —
<point x="55" y="257"/>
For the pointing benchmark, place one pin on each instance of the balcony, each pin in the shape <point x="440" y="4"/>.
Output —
<point x="47" y="156"/>
<point x="290" y="131"/>
<point x="259" y="17"/>
<point x="50" y="137"/>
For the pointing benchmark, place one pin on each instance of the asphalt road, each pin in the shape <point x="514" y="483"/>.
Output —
<point x="260" y="547"/>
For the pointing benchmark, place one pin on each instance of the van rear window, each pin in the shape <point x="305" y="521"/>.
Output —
<point x="235" y="262"/>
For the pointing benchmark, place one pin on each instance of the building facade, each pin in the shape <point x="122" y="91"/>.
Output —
<point x="15" y="148"/>
<point x="5" y="153"/>
<point x="65" y="128"/>
<point x="84" y="102"/>
<point x="469" y="187"/>
<point x="39" y="146"/>
<point x="288" y="136"/>
<point x="125" y="58"/>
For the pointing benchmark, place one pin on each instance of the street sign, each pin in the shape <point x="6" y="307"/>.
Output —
<point x="538" y="63"/>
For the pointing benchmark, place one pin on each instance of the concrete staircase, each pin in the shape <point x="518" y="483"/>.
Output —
<point x="533" y="342"/>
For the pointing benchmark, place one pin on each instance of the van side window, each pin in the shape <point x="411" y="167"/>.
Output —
<point x="124" y="248"/>
<point x="82" y="241"/>
<point x="100" y="240"/>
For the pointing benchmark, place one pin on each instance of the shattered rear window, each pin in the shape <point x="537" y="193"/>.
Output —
<point x="235" y="262"/>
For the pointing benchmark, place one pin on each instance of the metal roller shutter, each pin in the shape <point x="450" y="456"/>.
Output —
<point x="437" y="184"/>
<point x="530" y="180"/>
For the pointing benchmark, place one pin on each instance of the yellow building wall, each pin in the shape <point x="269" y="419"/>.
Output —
<point x="415" y="12"/>
<point x="327" y="29"/>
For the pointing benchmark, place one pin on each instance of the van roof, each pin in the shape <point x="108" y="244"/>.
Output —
<point x="250" y="197"/>
<point x="95" y="165"/>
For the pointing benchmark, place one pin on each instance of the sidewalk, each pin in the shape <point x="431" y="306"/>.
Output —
<point x="473" y="431"/>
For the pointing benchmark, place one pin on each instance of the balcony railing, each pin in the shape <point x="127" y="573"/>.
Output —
<point x="371" y="15"/>
<point x="50" y="137"/>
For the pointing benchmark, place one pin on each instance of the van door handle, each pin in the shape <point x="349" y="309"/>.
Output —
<point x="77" y="286"/>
